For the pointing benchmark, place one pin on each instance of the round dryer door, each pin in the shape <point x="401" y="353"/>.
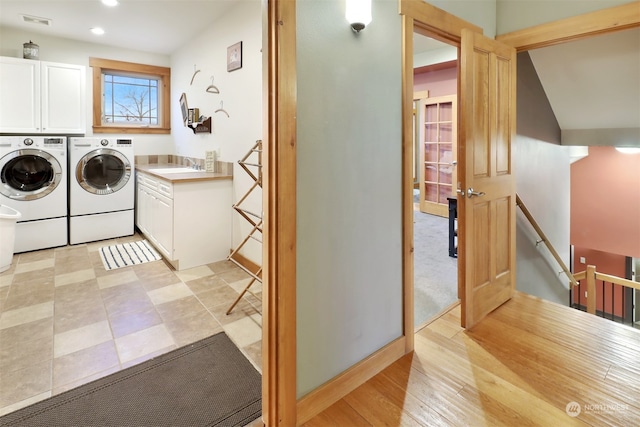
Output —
<point x="103" y="171"/>
<point x="29" y="174"/>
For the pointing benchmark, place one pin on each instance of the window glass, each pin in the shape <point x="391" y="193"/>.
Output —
<point x="130" y="100"/>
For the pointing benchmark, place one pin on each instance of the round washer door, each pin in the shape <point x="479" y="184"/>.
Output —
<point x="103" y="171"/>
<point x="29" y="174"/>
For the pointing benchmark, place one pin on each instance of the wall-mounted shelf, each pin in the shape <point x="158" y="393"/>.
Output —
<point x="201" y="127"/>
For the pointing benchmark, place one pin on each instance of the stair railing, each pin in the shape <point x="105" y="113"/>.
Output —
<point x="591" y="276"/>
<point x="544" y="239"/>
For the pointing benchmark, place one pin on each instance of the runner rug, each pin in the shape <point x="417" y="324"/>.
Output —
<point x="208" y="383"/>
<point x="125" y="254"/>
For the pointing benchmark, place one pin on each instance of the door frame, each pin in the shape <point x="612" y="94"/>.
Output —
<point x="279" y="402"/>
<point x="428" y="20"/>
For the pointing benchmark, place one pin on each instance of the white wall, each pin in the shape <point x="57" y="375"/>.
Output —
<point x="349" y="222"/>
<point x="515" y="15"/>
<point x="240" y="90"/>
<point x="56" y="49"/>
<point x="240" y="93"/>
<point x="435" y="56"/>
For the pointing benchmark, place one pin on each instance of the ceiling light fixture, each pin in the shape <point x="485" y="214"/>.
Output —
<point x="110" y="2"/>
<point x="97" y="31"/>
<point x="629" y="150"/>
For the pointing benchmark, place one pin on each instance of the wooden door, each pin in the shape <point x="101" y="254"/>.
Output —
<point x="487" y="225"/>
<point x="438" y="147"/>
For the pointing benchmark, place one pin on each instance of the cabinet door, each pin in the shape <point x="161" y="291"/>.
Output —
<point x="163" y="224"/>
<point x="63" y="98"/>
<point x="438" y="139"/>
<point x="143" y="210"/>
<point x="20" y="95"/>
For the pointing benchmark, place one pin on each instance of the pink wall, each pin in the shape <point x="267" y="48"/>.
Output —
<point x="605" y="202"/>
<point x="438" y="83"/>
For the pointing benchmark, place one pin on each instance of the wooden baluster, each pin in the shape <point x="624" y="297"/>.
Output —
<point x="591" y="289"/>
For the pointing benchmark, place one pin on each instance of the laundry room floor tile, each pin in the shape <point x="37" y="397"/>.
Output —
<point x="65" y="320"/>
<point x="75" y="277"/>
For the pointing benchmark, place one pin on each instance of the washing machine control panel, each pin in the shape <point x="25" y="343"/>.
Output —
<point x="104" y="142"/>
<point x="38" y="141"/>
<point x="124" y="143"/>
<point x="54" y="142"/>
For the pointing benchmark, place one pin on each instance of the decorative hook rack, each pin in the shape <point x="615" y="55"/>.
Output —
<point x="222" y="110"/>
<point x="212" y="88"/>
<point x="195" y="71"/>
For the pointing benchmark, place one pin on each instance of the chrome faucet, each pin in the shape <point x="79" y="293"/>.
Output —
<point x="193" y="164"/>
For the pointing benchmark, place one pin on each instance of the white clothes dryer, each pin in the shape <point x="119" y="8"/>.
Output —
<point x="33" y="180"/>
<point x="101" y="189"/>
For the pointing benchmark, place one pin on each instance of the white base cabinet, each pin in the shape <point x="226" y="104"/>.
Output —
<point x="188" y="222"/>
<point x="42" y="97"/>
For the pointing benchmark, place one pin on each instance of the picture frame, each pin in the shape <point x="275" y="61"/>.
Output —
<point x="184" y="108"/>
<point x="234" y="57"/>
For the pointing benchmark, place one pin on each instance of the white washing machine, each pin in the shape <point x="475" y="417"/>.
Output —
<point x="33" y="180"/>
<point x="101" y="189"/>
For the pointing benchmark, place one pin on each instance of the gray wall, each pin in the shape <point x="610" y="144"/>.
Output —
<point x="543" y="183"/>
<point x="536" y="119"/>
<point x="349" y="223"/>
<point x="479" y="12"/>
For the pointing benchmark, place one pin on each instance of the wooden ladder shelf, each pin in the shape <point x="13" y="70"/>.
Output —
<point x="254" y="170"/>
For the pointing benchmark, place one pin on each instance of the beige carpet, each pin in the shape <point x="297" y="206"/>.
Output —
<point x="435" y="272"/>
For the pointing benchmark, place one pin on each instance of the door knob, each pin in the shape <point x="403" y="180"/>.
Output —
<point x="471" y="193"/>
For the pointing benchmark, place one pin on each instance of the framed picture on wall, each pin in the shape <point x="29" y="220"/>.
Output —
<point x="234" y="57"/>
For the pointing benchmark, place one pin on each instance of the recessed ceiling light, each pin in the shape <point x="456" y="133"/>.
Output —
<point x="110" y="2"/>
<point x="629" y="150"/>
<point x="97" y="31"/>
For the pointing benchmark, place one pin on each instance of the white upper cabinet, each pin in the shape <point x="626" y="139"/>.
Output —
<point x="62" y="98"/>
<point x="41" y="97"/>
<point x="19" y="95"/>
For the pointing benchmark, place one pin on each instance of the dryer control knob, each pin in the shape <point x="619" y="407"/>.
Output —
<point x="104" y="142"/>
<point x="28" y="141"/>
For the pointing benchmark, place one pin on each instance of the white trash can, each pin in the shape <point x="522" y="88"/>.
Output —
<point x="8" y="218"/>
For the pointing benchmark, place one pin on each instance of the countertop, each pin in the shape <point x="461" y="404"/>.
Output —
<point x="181" y="177"/>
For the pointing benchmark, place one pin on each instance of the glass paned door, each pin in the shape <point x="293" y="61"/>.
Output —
<point x="437" y="118"/>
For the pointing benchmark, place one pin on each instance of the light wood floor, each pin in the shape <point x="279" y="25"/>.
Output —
<point x="529" y="363"/>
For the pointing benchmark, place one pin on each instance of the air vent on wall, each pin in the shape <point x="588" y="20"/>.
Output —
<point x="36" y="20"/>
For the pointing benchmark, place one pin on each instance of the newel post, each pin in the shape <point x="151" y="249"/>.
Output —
<point x="591" y="289"/>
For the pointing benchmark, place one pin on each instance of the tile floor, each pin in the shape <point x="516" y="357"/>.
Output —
<point x="65" y="320"/>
